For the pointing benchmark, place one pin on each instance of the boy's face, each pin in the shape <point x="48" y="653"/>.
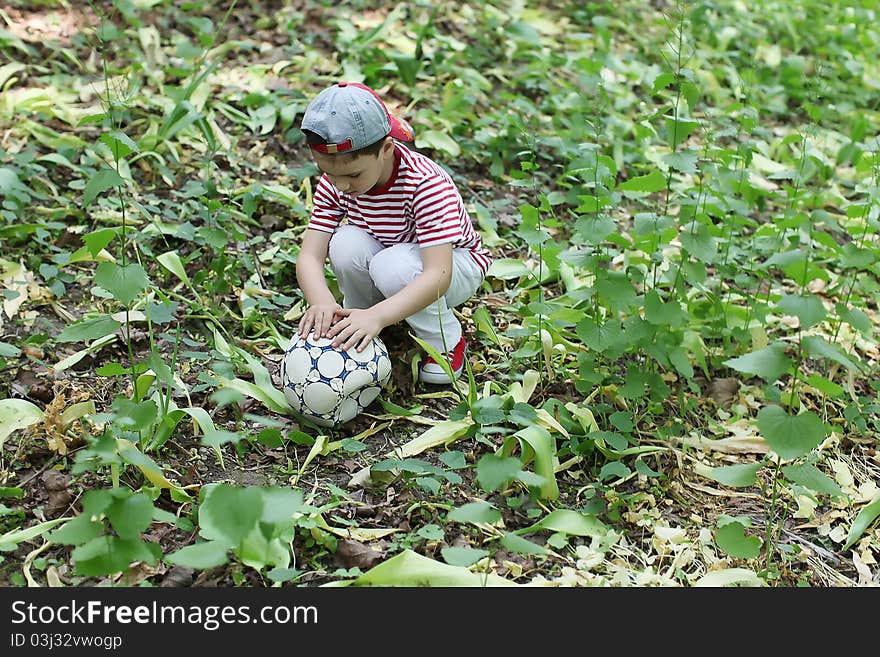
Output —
<point x="358" y="174"/>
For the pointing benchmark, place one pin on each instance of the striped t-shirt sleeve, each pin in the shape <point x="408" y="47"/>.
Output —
<point x="437" y="208"/>
<point x="326" y="209"/>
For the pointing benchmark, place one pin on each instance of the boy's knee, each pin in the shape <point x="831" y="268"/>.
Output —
<point x="392" y="269"/>
<point x="348" y="247"/>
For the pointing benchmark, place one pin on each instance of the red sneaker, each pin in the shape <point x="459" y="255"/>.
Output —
<point x="431" y="372"/>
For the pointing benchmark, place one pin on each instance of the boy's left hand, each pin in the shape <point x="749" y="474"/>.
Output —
<point x="355" y="328"/>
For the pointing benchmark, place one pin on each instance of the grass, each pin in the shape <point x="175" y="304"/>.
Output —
<point x="673" y="359"/>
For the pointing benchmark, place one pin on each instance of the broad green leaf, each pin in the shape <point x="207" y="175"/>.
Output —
<point x="495" y="471"/>
<point x="653" y="182"/>
<point x="856" y="318"/>
<point x="536" y="443"/>
<point x="280" y="504"/>
<point x="732" y="539"/>
<point x="436" y="140"/>
<point x="101" y="181"/>
<point x="17" y="414"/>
<point x="77" y="411"/>
<point x="259" y="551"/>
<point x="411" y="569"/>
<point x="133" y="415"/>
<point x="228" y="514"/>
<point x="125" y="283"/>
<point x="808" y="309"/>
<point x="172" y="262"/>
<point x="201" y="556"/>
<point x="131" y="515"/>
<point x="567" y="521"/>
<point x="769" y="363"/>
<point x="97" y="240"/>
<point x="866" y="516"/>
<point x="809" y="476"/>
<point x="121" y="145"/>
<point x="92" y="328"/>
<point x="520" y="545"/>
<point x="74" y="358"/>
<point x="507" y="268"/>
<point x="77" y="531"/>
<point x="790" y="436"/>
<point x="483" y="323"/>
<point x="816" y="345"/>
<point x="476" y="513"/>
<point x="730" y="577"/>
<point x="147" y="466"/>
<point x="464" y="557"/>
<point x="272" y="398"/>
<point x="443" y="433"/>
<point x="736" y="476"/>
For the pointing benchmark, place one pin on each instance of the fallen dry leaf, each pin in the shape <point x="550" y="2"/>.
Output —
<point x="723" y="391"/>
<point x="351" y="554"/>
<point x="60" y="497"/>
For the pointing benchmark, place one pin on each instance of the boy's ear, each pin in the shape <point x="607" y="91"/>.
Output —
<point x="388" y="145"/>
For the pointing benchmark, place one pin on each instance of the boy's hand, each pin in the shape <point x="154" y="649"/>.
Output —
<point x="319" y="318"/>
<point x="355" y="328"/>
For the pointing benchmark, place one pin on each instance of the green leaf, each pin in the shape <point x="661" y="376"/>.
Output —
<point x="863" y="520"/>
<point x="683" y="161"/>
<point x="768" y="363"/>
<point x="100" y="182"/>
<point x="538" y="445"/>
<point x="732" y="539"/>
<point x="77" y="531"/>
<point x="483" y="323"/>
<point x="229" y="514"/>
<point x="98" y="240"/>
<point x="507" y="268"/>
<point x="808" y="309"/>
<point x="463" y="556"/>
<point x="201" y="556"/>
<point x="120" y="144"/>
<point x="653" y="182"/>
<point x="131" y="516"/>
<point x="567" y="521"/>
<point x="730" y="577"/>
<point x="17" y="414"/>
<point x="790" y="436"/>
<point x="520" y="545"/>
<point x="439" y="141"/>
<point x="476" y="513"/>
<point x="816" y="345"/>
<point x="411" y="569"/>
<point x="16" y="536"/>
<point x="89" y="329"/>
<point x="809" y="476"/>
<point x="281" y="504"/>
<point x="124" y="283"/>
<point x="172" y="262"/>
<point x="495" y="472"/>
<point x="736" y="476"/>
<point x="135" y="416"/>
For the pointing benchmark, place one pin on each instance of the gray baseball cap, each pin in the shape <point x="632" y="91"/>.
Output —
<point x="350" y="116"/>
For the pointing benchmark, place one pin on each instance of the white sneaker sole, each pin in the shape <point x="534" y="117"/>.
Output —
<point x="437" y="378"/>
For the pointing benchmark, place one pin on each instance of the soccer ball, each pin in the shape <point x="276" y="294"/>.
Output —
<point x="329" y="385"/>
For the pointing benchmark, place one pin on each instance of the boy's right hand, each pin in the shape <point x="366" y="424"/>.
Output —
<point x="319" y="319"/>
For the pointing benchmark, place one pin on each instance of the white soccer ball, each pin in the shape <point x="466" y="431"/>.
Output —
<point x="329" y="385"/>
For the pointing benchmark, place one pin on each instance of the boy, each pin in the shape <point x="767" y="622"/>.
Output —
<point x="407" y="249"/>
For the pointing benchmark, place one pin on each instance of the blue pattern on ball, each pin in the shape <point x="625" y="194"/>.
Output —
<point x="329" y="385"/>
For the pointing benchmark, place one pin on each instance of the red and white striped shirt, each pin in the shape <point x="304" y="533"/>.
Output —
<point x="419" y="204"/>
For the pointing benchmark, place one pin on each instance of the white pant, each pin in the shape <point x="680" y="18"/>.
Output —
<point x="368" y="272"/>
